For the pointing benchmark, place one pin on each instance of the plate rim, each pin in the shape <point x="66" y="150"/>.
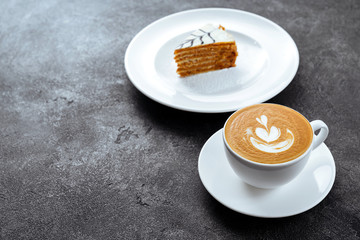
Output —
<point x="315" y="203"/>
<point x="258" y="99"/>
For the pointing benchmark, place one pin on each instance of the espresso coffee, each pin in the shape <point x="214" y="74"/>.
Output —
<point x="268" y="133"/>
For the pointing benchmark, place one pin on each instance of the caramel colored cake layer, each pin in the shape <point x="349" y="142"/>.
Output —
<point x="206" y="49"/>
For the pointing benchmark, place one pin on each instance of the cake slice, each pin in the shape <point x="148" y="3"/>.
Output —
<point x="206" y="49"/>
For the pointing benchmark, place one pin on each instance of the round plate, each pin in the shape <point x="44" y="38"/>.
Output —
<point x="306" y="191"/>
<point x="267" y="62"/>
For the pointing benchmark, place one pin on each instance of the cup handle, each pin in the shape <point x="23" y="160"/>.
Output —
<point x="322" y="135"/>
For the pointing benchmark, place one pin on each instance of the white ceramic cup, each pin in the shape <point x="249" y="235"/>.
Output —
<point x="269" y="176"/>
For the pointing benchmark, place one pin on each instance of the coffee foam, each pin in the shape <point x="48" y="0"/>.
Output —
<point x="266" y="140"/>
<point x="268" y="133"/>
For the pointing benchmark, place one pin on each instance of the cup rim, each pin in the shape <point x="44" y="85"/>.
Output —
<point x="290" y="162"/>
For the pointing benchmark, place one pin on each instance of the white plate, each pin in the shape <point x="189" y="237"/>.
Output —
<point x="301" y="194"/>
<point x="267" y="62"/>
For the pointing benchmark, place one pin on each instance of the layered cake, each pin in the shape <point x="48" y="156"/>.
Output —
<point x="206" y="49"/>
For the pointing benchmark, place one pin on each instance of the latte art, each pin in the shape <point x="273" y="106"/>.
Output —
<point x="268" y="138"/>
<point x="268" y="133"/>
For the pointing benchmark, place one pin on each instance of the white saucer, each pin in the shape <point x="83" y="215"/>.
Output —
<point x="267" y="62"/>
<point x="301" y="194"/>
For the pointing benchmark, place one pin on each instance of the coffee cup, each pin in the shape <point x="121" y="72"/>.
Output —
<point x="268" y="145"/>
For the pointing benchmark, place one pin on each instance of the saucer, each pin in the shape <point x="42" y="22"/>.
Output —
<point x="301" y="194"/>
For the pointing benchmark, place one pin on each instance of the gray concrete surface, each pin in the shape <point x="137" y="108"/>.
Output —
<point x="84" y="155"/>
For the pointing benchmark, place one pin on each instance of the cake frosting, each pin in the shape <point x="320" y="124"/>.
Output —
<point x="206" y="35"/>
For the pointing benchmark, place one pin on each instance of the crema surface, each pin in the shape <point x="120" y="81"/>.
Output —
<point x="268" y="133"/>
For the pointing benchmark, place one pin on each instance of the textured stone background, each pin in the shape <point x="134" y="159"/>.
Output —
<point x="84" y="155"/>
